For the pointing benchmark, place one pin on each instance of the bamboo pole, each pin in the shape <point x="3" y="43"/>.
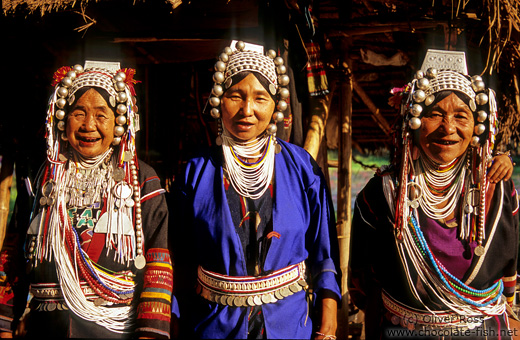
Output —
<point x="319" y="107"/>
<point x="6" y="180"/>
<point x="344" y="198"/>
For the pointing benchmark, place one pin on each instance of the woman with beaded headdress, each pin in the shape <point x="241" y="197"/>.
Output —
<point x="435" y="235"/>
<point x="253" y="217"/>
<point x="96" y="249"/>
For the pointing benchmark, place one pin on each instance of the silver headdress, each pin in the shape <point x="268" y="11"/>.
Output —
<point x="249" y="57"/>
<point x="108" y="76"/>
<point x="447" y="70"/>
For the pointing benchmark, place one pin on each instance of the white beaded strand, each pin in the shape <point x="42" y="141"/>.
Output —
<point x="249" y="181"/>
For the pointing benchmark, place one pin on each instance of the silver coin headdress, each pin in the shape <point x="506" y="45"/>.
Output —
<point x="246" y="57"/>
<point x="119" y="84"/>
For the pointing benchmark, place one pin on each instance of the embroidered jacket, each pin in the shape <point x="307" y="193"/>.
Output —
<point x="203" y="234"/>
<point x="375" y="264"/>
<point x="152" y="299"/>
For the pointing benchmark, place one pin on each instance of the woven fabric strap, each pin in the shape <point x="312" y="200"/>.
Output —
<point x="242" y="291"/>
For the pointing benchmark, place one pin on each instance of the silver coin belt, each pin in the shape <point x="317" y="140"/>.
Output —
<point x="49" y="296"/>
<point x="414" y="319"/>
<point x="244" y="291"/>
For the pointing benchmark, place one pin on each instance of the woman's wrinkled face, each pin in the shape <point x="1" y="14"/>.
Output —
<point x="446" y="130"/>
<point x="247" y="109"/>
<point x="90" y="125"/>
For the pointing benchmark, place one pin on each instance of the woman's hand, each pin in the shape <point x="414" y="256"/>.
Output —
<point x="500" y="168"/>
<point x="329" y="311"/>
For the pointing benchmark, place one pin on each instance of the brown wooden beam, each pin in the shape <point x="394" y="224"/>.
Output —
<point x="376" y="114"/>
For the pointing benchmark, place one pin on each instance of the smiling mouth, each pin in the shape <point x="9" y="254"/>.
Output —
<point x="88" y="139"/>
<point x="446" y="142"/>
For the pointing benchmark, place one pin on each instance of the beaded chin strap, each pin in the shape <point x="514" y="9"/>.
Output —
<point x="441" y="71"/>
<point x="234" y="61"/>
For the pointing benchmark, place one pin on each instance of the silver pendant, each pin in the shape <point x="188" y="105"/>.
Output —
<point x="139" y="262"/>
<point x="479" y="250"/>
<point x="117" y="217"/>
<point x="118" y="175"/>
<point x="123" y="190"/>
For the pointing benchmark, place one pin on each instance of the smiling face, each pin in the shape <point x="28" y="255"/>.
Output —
<point x="247" y="109"/>
<point x="90" y="125"/>
<point x="446" y="130"/>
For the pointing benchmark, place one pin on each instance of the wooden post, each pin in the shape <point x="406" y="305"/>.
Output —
<point x="6" y="180"/>
<point x="344" y="197"/>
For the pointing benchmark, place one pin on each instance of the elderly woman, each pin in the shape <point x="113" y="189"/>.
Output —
<point x="435" y="237"/>
<point x="254" y="222"/>
<point x="96" y="250"/>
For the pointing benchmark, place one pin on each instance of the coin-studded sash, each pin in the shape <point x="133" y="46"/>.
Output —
<point x="243" y="291"/>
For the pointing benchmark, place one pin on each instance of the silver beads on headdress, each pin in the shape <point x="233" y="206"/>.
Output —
<point x="232" y="62"/>
<point x="114" y="83"/>
<point x="452" y="77"/>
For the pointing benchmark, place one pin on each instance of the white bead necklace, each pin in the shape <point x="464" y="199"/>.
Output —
<point x="428" y="173"/>
<point x="249" y="179"/>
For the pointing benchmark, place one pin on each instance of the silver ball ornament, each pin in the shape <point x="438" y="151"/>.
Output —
<point x="119" y="86"/>
<point x="482" y="116"/>
<point x="416" y="110"/>
<point x="217" y="90"/>
<point x="60" y="103"/>
<point x="284" y="93"/>
<point x="282" y="105"/>
<point x="64" y="137"/>
<point x="228" y="50"/>
<point x="481" y="99"/>
<point x="121" y="75"/>
<point x="414" y="123"/>
<point x="476" y="78"/>
<point x="423" y="83"/>
<point x="431" y="72"/>
<point x="63" y="92"/>
<point x="224" y="57"/>
<point x="271" y="129"/>
<point x="278" y="116"/>
<point x="419" y="74"/>
<point x="240" y="45"/>
<point x="479" y="129"/>
<point x="117" y="78"/>
<point x="78" y="68"/>
<point x="121" y="120"/>
<point x="281" y="69"/>
<point x="121" y="109"/>
<point x="278" y="61"/>
<point x="419" y="96"/>
<point x="214" y="101"/>
<point x="218" y="77"/>
<point x="61" y="125"/>
<point x="283" y="80"/>
<point x="116" y="141"/>
<point x="122" y="97"/>
<point x="66" y="81"/>
<point x="271" y="54"/>
<point x="72" y="74"/>
<point x="215" y="113"/>
<point x="220" y="66"/>
<point x="119" y="131"/>
<point x="478" y="86"/>
<point x="60" y="114"/>
<point x="475" y="141"/>
<point x="429" y="100"/>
